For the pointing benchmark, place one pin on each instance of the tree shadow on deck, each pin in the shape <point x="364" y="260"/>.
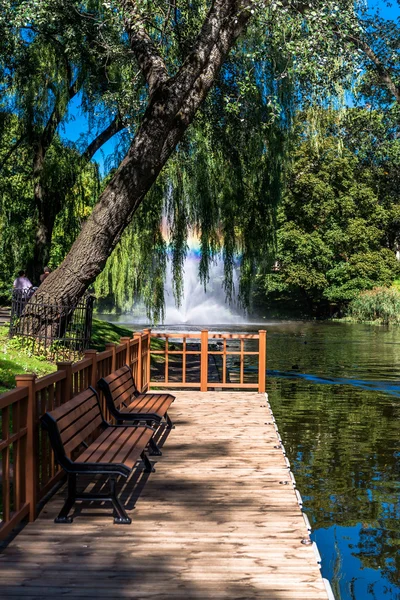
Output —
<point x="189" y="539"/>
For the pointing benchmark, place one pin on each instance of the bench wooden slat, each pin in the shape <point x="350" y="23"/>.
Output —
<point x="123" y="395"/>
<point x="69" y="406"/>
<point x="148" y="402"/>
<point x="129" y="441"/>
<point x="96" y="451"/>
<point x="134" y="454"/>
<point x="80" y="432"/>
<point x="120" y="446"/>
<point x="72" y="421"/>
<point x="119" y="378"/>
<point x="120" y="449"/>
<point x="158" y="404"/>
<point x="114" y="452"/>
<point x="126" y="404"/>
<point x="77" y="419"/>
<point x="82" y="435"/>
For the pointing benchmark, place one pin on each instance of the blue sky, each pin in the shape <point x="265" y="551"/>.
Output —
<point x="77" y="124"/>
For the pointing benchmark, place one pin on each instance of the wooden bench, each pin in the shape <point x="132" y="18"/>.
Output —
<point x="114" y="452"/>
<point x="126" y="404"/>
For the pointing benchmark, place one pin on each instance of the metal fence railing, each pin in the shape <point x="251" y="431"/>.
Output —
<point x="57" y="330"/>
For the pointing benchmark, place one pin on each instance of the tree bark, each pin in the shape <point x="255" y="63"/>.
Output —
<point x="173" y="103"/>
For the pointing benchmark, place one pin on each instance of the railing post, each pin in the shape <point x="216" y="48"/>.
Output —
<point x="204" y="361"/>
<point x="148" y="365"/>
<point x="31" y="443"/>
<point x="139" y="375"/>
<point x="92" y="354"/>
<point x="262" y="360"/>
<point x="67" y="367"/>
<point x="111" y="346"/>
<point x="126" y="341"/>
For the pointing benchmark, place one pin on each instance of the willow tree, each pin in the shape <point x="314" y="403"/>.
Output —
<point x="378" y="44"/>
<point x="177" y="51"/>
<point x="49" y="57"/>
<point x="18" y="217"/>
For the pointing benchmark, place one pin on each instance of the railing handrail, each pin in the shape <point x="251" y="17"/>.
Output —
<point x="204" y="352"/>
<point x="197" y="336"/>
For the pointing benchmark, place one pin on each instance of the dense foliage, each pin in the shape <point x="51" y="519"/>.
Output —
<point x="338" y="221"/>
<point x="226" y="177"/>
<point x="18" y="215"/>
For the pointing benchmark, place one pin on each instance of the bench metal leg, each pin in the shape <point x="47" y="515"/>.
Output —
<point x="170" y="425"/>
<point x="147" y="464"/>
<point x="154" y="449"/>
<point x="63" y="516"/>
<point x="120" y="516"/>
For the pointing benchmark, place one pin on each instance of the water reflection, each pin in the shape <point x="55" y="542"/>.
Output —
<point x="335" y="400"/>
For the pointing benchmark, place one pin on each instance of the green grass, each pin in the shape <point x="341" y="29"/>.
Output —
<point x="396" y="284"/>
<point x="14" y="360"/>
<point x="103" y="333"/>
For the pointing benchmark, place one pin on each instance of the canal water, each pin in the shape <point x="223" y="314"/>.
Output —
<point x="335" y="392"/>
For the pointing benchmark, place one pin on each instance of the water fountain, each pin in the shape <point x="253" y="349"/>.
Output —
<point x="200" y="307"/>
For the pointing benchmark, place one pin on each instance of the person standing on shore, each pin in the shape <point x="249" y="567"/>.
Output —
<point x="22" y="282"/>
<point x="46" y="272"/>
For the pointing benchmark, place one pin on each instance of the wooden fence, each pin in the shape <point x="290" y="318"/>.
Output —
<point x="179" y="354"/>
<point x="28" y="471"/>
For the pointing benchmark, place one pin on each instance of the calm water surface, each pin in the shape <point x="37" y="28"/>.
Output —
<point x="335" y="393"/>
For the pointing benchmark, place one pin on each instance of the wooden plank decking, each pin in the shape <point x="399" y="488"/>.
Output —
<point x="212" y="523"/>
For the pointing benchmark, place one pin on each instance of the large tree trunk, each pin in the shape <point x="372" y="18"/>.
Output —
<point x="47" y="207"/>
<point x="172" y="106"/>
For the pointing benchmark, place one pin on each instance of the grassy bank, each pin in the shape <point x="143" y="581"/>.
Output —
<point x="379" y="305"/>
<point x="104" y="333"/>
<point x="14" y="360"/>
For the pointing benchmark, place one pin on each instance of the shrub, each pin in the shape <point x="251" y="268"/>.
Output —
<point x="380" y="304"/>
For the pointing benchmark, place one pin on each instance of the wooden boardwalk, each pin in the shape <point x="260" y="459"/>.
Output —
<point x="212" y="523"/>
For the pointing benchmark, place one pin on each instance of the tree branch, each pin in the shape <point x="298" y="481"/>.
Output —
<point x="114" y="127"/>
<point x="150" y="60"/>
<point x="44" y="143"/>
<point x="225" y="20"/>
<point x="217" y="54"/>
<point x="382" y="72"/>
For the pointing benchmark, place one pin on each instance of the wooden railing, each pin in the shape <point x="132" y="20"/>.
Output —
<point x="28" y="471"/>
<point x="186" y="364"/>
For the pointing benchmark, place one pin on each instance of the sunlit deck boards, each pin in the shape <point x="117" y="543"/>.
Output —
<point x="213" y="522"/>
